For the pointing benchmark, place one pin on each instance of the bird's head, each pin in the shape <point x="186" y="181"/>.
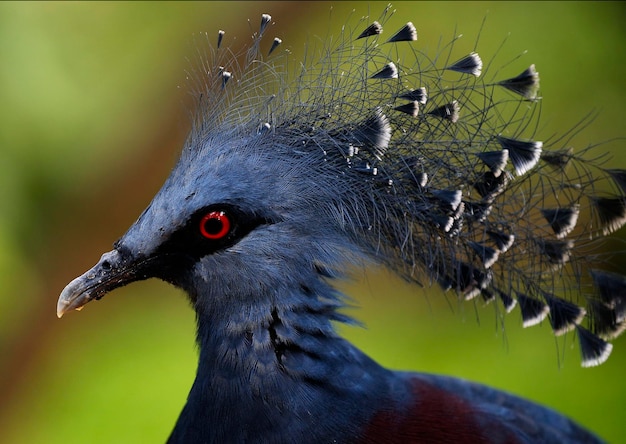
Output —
<point x="242" y="213"/>
<point x="290" y="174"/>
<point x="277" y="186"/>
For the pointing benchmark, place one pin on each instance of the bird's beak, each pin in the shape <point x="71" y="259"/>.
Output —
<point x="113" y="270"/>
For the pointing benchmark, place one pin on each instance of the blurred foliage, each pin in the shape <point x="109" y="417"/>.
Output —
<point x="93" y="114"/>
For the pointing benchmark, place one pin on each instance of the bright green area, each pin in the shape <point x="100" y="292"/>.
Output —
<point x="83" y="87"/>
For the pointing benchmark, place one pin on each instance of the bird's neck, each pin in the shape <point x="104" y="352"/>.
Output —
<point x="267" y="372"/>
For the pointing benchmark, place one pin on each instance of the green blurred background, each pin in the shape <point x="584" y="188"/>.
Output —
<point x="93" y="116"/>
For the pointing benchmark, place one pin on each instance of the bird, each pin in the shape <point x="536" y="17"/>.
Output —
<point x="293" y="172"/>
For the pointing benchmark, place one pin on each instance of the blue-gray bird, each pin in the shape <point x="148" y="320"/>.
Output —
<point x="294" y="172"/>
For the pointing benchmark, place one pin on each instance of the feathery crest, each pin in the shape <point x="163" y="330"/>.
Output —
<point x="449" y="187"/>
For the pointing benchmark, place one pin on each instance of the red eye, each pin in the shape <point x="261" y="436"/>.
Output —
<point x="215" y="225"/>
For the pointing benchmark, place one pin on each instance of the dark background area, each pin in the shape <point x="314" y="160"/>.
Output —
<point x="94" y="112"/>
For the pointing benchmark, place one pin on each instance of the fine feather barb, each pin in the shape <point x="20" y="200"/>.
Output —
<point x="407" y="33"/>
<point x="470" y="64"/>
<point x="562" y="220"/>
<point x="495" y="160"/>
<point x="525" y="84"/>
<point x="374" y="29"/>
<point x="418" y="95"/>
<point x="533" y="310"/>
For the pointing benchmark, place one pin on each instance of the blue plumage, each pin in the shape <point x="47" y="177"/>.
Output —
<point x="288" y="179"/>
